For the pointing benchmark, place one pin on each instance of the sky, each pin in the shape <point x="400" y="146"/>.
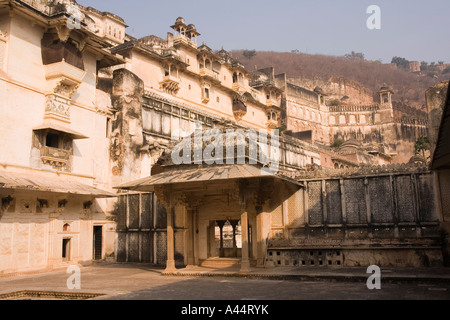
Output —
<point x="412" y="29"/>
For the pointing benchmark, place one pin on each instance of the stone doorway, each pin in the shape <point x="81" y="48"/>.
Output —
<point x="97" y="242"/>
<point x="228" y="238"/>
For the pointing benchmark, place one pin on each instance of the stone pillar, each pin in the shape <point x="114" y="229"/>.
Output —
<point x="234" y="224"/>
<point x="190" y="244"/>
<point x="260" y="252"/>
<point x="245" y="262"/>
<point x="170" y="263"/>
<point x="221" y="223"/>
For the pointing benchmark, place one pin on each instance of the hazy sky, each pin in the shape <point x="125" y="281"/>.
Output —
<point x="415" y="30"/>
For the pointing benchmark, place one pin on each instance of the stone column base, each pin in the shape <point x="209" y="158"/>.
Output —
<point x="170" y="267"/>
<point x="245" y="266"/>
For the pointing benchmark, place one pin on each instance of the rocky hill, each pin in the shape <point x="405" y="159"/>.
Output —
<point x="409" y="87"/>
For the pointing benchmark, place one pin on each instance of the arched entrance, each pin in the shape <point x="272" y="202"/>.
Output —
<point x="228" y="238"/>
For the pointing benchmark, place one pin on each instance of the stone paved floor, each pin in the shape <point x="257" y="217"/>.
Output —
<point x="144" y="282"/>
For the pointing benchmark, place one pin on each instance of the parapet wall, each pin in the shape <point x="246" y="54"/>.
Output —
<point x="337" y="88"/>
<point x="358" y="217"/>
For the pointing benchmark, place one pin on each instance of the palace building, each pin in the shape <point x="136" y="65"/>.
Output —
<point x="89" y="173"/>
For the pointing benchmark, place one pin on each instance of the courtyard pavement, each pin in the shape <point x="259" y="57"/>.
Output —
<point x="146" y="282"/>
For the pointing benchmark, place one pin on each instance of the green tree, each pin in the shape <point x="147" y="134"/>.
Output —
<point x="400" y="62"/>
<point x="249" y="54"/>
<point x="424" y="65"/>
<point x="422" y="145"/>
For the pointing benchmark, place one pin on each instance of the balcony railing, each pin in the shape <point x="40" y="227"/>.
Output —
<point x="271" y="102"/>
<point x="180" y="39"/>
<point x="238" y="87"/>
<point x="54" y="156"/>
<point x="63" y="71"/>
<point x="208" y="73"/>
<point x="272" y="124"/>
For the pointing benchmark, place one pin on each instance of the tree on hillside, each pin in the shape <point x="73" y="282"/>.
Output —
<point x="423" y="65"/>
<point x="408" y="86"/>
<point x="249" y="54"/>
<point x="400" y="62"/>
<point x="355" y="56"/>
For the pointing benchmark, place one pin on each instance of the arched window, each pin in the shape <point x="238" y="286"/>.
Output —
<point x="235" y="78"/>
<point x="66" y="227"/>
<point x="241" y="78"/>
<point x="362" y="119"/>
<point x="332" y="120"/>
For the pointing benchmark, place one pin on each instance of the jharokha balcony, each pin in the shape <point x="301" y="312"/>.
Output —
<point x="55" y="157"/>
<point x="238" y="87"/>
<point x="208" y="73"/>
<point x="170" y="84"/>
<point x="181" y="39"/>
<point x="272" y="102"/>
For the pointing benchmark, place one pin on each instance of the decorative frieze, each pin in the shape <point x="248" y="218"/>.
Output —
<point x="57" y="107"/>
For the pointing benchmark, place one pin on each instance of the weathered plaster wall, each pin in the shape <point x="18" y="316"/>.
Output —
<point x="31" y="234"/>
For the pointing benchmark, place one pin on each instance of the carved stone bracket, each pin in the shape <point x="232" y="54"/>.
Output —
<point x="63" y="32"/>
<point x="66" y="89"/>
<point x="3" y="35"/>
<point x="190" y="201"/>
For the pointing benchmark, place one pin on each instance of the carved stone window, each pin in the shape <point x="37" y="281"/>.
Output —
<point x="205" y="94"/>
<point x="54" y="148"/>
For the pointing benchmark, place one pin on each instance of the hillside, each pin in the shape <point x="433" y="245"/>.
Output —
<point x="409" y="88"/>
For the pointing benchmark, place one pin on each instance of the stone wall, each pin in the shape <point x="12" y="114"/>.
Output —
<point x="35" y="224"/>
<point x="337" y="88"/>
<point x="385" y="219"/>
